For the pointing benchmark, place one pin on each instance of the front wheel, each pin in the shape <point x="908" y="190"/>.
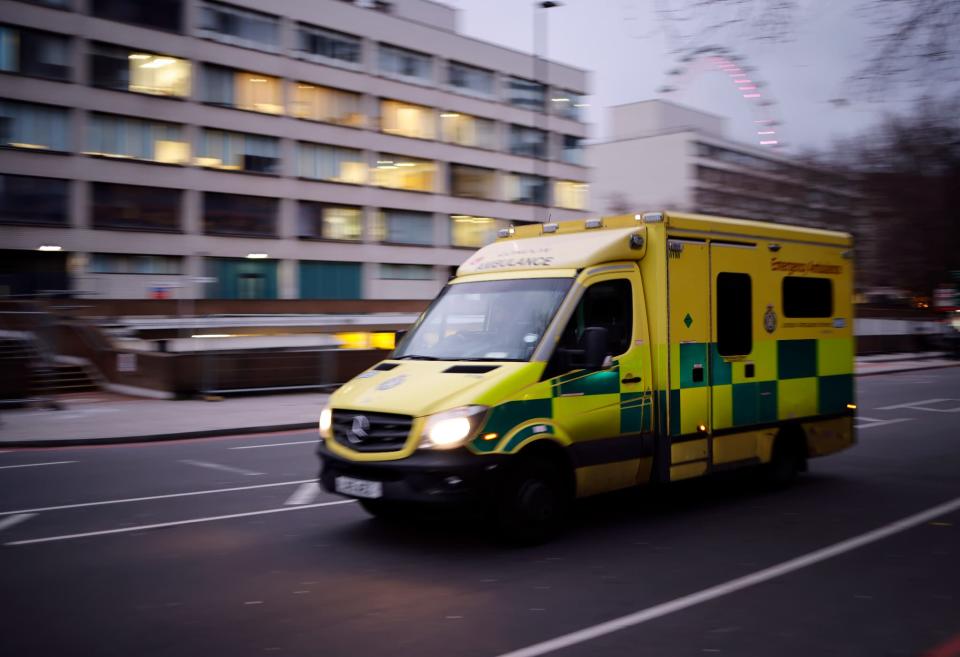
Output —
<point x="533" y="503"/>
<point x="384" y="509"/>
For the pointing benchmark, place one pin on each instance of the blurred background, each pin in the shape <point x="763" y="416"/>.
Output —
<point x="209" y="198"/>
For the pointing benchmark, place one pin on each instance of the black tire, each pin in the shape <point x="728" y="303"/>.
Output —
<point x="384" y="509"/>
<point x="533" y="503"/>
<point x="788" y="460"/>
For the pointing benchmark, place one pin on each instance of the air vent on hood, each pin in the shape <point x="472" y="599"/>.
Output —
<point x="386" y="367"/>
<point x="470" y="369"/>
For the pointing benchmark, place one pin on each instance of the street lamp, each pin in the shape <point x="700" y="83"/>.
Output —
<point x="540" y="76"/>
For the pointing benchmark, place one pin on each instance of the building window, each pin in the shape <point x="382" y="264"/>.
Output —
<point x="333" y="163"/>
<point x="30" y="52"/>
<point x="526" y="94"/>
<point x="114" y="67"/>
<point x="129" y="207"/>
<point x="328" y="105"/>
<point x="239" y="26"/>
<point x="232" y="214"/>
<point x="473" y="182"/>
<point x="33" y="201"/>
<point x="238" y="151"/>
<point x="242" y="278"/>
<point x="403" y="227"/>
<point x="405" y="63"/>
<point x="159" y="14"/>
<point x="528" y="142"/>
<point x="399" y="172"/>
<point x="41" y="127"/>
<point x="466" y="130"/>
<point x="123" y="136"/>
<point x="124" y="263"/>
<point x="807" y="297"/>
<point x="328" y="44"/>
<point x="570" y="194"/>
<point x="406" y="120"/>
<point x="473" y="232"/>
<point x="470" y="78"/>
<point x="330" y="222"/>
<point x="59" y="4"/>
<point x="524" y="188"/>
<point x="241" y="89"/>
<point x="330" y="280"/>
<point x="567" y="104"/>
<point x="734" y="320"/>
<point x="572" y="152"/>
<point x="406" y="272"/>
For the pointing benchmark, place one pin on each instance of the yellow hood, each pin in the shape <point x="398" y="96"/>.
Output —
<point x="420" y="388"/>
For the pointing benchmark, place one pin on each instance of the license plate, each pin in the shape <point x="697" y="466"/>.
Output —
<point x="358" y="487"/>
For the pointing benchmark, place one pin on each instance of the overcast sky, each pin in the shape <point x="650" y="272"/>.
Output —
<point x="626" y="46"/>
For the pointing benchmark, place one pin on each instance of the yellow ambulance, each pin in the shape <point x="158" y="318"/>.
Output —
<point x="575" y="358"/>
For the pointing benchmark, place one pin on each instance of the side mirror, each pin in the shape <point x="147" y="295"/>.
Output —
<point x="594" y="340"/>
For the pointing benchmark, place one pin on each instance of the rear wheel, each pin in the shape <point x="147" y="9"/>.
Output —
<point x="533" y="502"/>
<point x="789" y="458"/>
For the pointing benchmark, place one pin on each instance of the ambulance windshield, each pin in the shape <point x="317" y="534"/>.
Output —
<point x="486" y="320"/>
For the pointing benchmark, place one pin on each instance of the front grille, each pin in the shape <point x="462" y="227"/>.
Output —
<point x="371" y="432"/>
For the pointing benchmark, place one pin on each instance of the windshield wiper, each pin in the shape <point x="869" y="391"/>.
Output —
<point x="416" y="357"/>
<point x="492" y="360"/>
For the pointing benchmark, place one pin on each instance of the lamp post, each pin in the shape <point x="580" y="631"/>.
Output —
<point x="540" y="75"/>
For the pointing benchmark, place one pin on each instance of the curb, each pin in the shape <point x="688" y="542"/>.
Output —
<point x="159" y="437"/>
<point x="939" y="366"/>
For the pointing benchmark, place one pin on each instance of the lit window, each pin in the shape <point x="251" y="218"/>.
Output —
<point x="567" y="104"/>
<point x="467" y="130"/>
<point x="407" y="120"/>
<point x="333" y="163"/>
<point x="405" y="63"/>
<point x="526" y="94"/>
<point x="31" y="52"/>
<point x="113" y="67"/>
<point x="473" y="182"/>
<point x="319" y="221"/>
<point x="26" y="125"/>
<point x="470" y="78"/>
<point x="399" y="172"/>
<point x="328" y="44"/>
<point x="328" y="105"/>
<point x="474" y="232"/>
<point x="570" y="194"/>
<point x="403" y="227"/>
<point x="237" y="151"/>
<point x="241" y="89"/>
<point x="138" y="139"/>
<point x="232" y="25"/>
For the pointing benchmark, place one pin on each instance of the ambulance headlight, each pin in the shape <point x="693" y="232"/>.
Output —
<point x="452" y="428"/>
<point x="326" y="421"/>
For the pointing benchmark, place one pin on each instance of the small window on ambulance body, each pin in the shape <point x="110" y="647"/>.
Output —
<point x="807" y="297"/>
<point x="734" y="314"/>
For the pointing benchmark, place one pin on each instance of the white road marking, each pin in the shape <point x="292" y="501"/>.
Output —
<point x="924" y="405"/>
<point x="10" y="521"/>
<point x="156" y="497"/>
<point x="298" y="442"/>
<point x="870" y="422"/>
<point x="734" y="585"/>
<point x="305" y="494"/>
<point x="175" y="523"/>
<point x="34" y="465"/>
<point x="217" y="466"/>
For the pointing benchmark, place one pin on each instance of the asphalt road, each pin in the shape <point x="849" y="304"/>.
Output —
<point x="149" y="555"/>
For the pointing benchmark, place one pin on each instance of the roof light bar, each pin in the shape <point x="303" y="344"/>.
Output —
<point x="550" y="228"/>
<point x="651" y="217"/>
<point x="593" y="223"/>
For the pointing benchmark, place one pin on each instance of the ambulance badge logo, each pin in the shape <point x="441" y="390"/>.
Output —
<point x="392" y="383"/>
<point x="770" y="319"/>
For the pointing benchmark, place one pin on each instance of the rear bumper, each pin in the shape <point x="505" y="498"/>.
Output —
<point x="453" y="477"/>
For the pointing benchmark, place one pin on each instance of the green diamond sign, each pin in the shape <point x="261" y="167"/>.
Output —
<point x="688" y="320"/>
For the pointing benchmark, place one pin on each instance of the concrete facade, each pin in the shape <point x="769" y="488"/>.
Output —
<point x="427" y="28"/>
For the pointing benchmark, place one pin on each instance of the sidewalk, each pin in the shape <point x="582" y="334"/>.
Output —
<point x="98" y="418"/>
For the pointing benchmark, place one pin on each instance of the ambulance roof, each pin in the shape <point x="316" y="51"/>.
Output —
<point x="585" y="242"/>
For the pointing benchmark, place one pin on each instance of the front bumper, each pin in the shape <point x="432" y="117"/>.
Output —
<point x="452" y="477"/>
